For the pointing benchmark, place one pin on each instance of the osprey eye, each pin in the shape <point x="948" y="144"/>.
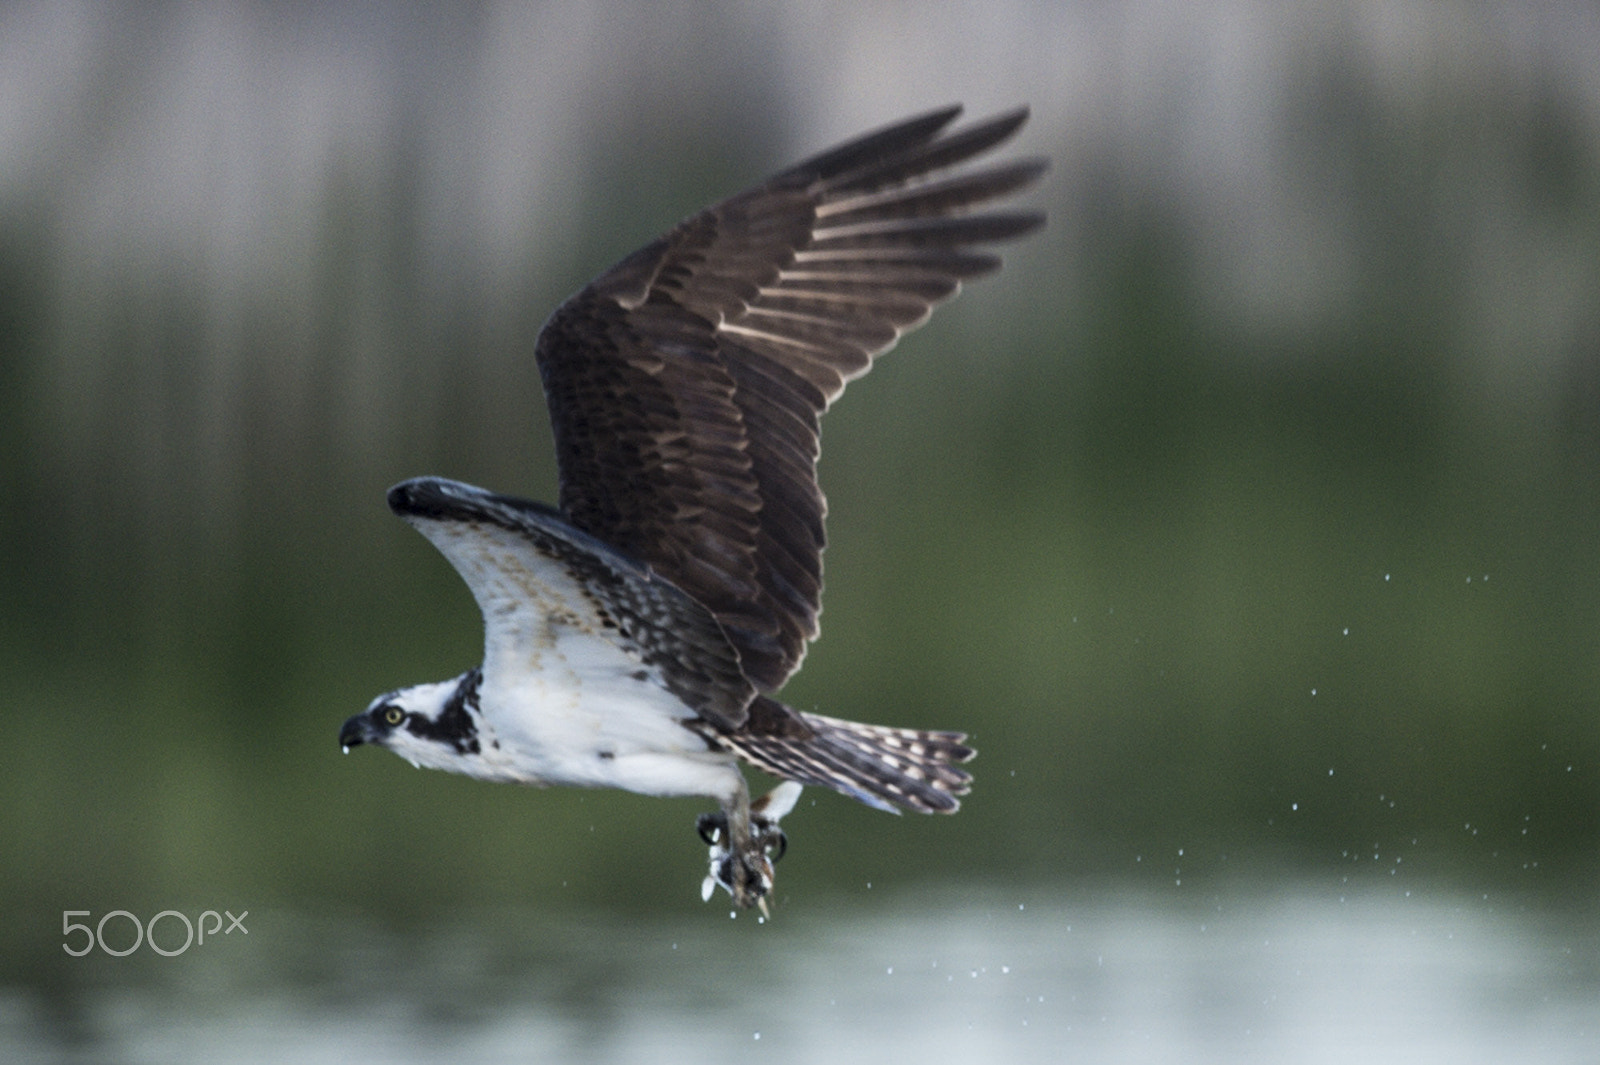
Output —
<point x="393" y="715"/>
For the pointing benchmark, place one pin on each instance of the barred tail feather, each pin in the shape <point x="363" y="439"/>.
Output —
<point x="886" y="768"/>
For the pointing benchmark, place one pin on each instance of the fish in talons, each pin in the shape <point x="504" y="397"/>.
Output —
<point x="744" y="867"/>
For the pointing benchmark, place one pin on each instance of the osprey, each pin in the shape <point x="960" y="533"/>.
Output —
<point x="635" y="635"/>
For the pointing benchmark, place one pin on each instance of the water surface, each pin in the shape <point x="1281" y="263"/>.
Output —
<point x="1298" y="977"/>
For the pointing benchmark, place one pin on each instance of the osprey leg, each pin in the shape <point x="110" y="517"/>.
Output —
<point x="745" y="841"/>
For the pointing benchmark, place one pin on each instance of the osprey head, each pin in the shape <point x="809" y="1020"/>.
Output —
<point x="433" y="725"/>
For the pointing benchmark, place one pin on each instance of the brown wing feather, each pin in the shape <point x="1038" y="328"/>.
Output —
<point x="686" y="383"/>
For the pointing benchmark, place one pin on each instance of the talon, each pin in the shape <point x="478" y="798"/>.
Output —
<point x="776" y="844"/>
<point x="711" y="827"/>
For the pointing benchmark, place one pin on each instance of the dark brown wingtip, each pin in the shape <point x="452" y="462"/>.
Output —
<point x="887" y="140"/>
<point x="917" y="160"/>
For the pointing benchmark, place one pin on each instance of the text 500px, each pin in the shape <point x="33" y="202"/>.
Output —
<point x="146" y="933"/>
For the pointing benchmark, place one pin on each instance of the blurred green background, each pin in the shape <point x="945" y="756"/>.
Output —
<point x="1247" y="520"/>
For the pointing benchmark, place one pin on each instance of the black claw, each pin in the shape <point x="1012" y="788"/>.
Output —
<point x="777" y="845"/>
<point x="712" y="827"/>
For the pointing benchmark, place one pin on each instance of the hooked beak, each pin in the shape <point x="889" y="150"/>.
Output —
<point x="356" y="731"/>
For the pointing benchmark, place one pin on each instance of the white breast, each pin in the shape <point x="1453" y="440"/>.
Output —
<point x="589" y="714"/>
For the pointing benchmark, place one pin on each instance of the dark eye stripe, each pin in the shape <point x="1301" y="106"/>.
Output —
<point x="455" y="725"/>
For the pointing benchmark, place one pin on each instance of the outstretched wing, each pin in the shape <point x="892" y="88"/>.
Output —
<point x="533" y="573"/>
<point x="686" y="383"/>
